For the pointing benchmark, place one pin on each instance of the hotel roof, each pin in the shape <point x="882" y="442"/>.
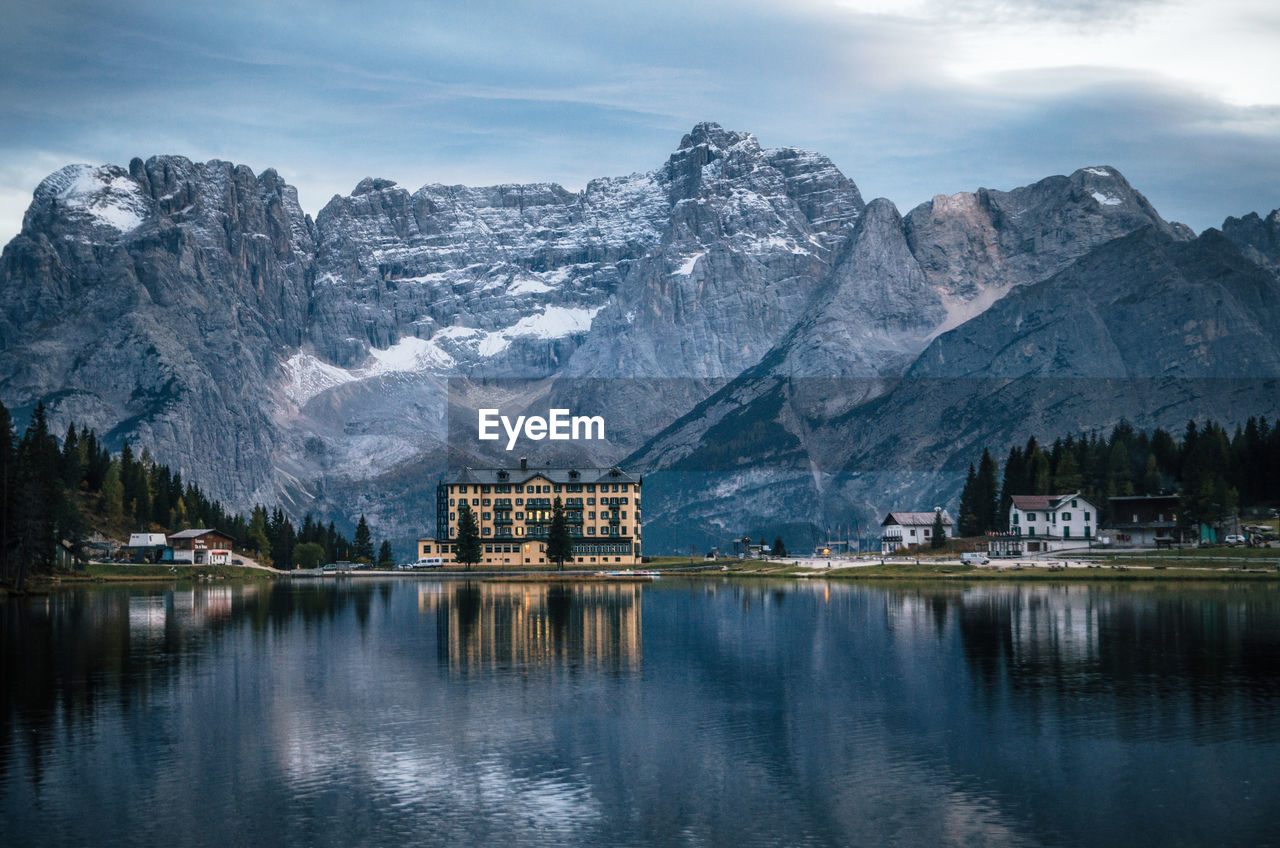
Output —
<point x="502" y="476"/>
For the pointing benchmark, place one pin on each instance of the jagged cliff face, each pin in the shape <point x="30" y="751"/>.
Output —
<point x="734" y="293"/>
<point x="154" y="302"/>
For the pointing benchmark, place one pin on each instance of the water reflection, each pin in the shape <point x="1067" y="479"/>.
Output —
<point x="706" y="712"/>
<point x="589" y="626"/>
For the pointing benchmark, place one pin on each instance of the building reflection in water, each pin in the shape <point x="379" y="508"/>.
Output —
<point x="151" y="615"/>
<point x="481" y="626"/>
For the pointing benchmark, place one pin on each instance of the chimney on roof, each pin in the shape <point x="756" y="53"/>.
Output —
<point x="524" y="463"/>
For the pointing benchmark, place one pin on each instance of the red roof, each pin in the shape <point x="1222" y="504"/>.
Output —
<point x="1041" y="502"/>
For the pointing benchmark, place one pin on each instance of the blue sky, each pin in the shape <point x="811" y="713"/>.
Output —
<point x="910" y="98"/>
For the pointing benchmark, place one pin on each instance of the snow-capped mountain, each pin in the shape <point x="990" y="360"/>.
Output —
<point x="732" y="293"/>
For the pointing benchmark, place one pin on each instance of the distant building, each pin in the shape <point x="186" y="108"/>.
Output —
<point x="201" y="547"/>
<point x="1145" y="521"/>
<point x="1044" y="523"/>
<point x="148" y="548"/>
<point x="903" y="529"/>
<point x="513" y="510"/>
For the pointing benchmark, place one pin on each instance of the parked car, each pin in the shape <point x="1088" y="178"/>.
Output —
<point x="1233" y="540"/>
<point x="974" y="558"/>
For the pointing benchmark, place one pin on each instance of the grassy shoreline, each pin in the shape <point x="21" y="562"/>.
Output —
<point x="949" y="572"/>
<point x="1110" y="569"/>
<point x="101" y="572"/>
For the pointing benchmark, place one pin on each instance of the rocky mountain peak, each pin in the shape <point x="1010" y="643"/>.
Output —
<point x="369" y="184"/>
<point x="105" y="200"/>
<point x="1257" y="238"/>
<point x="713" y="136"/>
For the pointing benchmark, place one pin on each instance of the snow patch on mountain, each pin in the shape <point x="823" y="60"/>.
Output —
<point x="529" y="283"/>
<point x="1107" y="199"/>
<point x="306" y="375"/>
<point x="687" y="263"/>
<point x="106" y="194"/>
<point x="554" y="322"/>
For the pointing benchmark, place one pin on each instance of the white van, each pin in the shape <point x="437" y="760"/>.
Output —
<point x="974" y="559"/>
<point x="429" y="562"/>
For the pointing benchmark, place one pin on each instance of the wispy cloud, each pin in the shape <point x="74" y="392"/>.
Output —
<point x="909" y="97"/>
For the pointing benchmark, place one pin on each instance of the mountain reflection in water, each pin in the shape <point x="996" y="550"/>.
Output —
<point x="706" y="712"/>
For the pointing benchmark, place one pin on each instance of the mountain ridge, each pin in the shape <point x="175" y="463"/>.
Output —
<point x="195" y="307"/>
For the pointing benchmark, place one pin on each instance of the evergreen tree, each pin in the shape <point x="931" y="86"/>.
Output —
<point x="1066" y="475"/>
<point x="987" y="500"/>
<point x="386" y="559"/>
<point x="1119" y="470"/>
<point x="113" y="494"/>
<point x="1013" y="484"/>
<point x="258" y="541"/>
<point x="779" y="549"/>
<point x="968" y="522"/>
<point x="939" y="536"/>
<point x="39" y="497"/>
<point x="1038" y="475"/>
<point x="362" y="545"/>
<point x="70" y="464"/>
<point x="559" y="545"/>
<point x="467" y="546"/>
<point x="1151" y="481"/>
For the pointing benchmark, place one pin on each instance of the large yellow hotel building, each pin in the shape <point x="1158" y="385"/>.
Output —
<point x="513" y="511"/>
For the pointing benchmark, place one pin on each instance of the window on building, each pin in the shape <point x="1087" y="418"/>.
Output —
<point x="1086" y="516"/>
<point x="1066" y="516"/>
<point x="1031" y="516"/>
<point x="1073" y="503"/>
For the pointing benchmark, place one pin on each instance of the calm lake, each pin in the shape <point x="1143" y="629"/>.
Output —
<point x="676" y="713"/>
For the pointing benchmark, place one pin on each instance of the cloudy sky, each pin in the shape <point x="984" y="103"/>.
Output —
<point x="911" y="98"/>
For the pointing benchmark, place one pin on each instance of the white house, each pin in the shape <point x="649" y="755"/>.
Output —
<point x="901" y="529"/>
<point x="1040" y="523"/>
